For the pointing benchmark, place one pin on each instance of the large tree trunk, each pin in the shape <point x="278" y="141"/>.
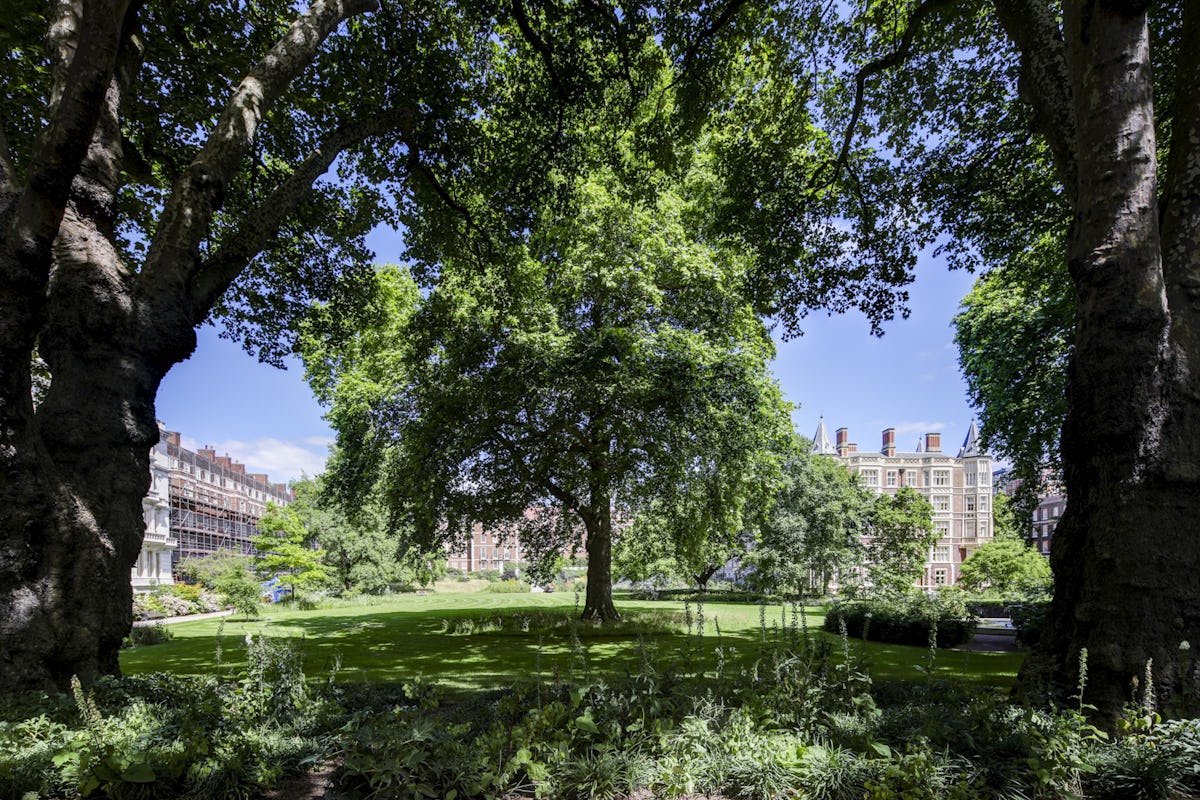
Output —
<point x="598" y="605"/>
<point x="74" y="471"/>
<point x="1126" y="557"/>
<point x="71" y="510"/>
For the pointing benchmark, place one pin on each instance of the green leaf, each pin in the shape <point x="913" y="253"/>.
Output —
<point x="139" y="772"/>
<point x="586" y="723"/>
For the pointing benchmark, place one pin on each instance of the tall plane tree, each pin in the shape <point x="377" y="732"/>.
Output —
<point x="1081" y="117"/>
<point x="160" y="163"/>
<point x="615" y="363"/>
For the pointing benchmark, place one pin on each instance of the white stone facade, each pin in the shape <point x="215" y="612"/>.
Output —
<point x="958" y="487"/>
<point x="153" y="567"/>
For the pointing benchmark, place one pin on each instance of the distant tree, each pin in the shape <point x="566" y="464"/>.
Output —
<point x="1014" y="341"/>
<point x="901" y="532"/>
<point x="238" y="588"/>
<point x="207" y="570"/>
<point x="689" y="530"/>
<point x="359" y="551"/>
<point x="1006" y="519"/>
<point x="1008" y="566"/>
<point x="284" y="549"/>
<point x="813" y="531"/>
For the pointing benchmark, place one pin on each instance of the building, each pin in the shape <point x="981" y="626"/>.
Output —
<point x="153" y="567"/>
<point x="487" y="549"/>
<point x="214" y="503"/>
<point x="1052" y="502"/>
<point x="958" y="487"/>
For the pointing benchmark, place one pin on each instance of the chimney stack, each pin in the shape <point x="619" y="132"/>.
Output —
<point x="933" y="443"/>
<point x="889" y="442"/>
<point x="843" y="440"/>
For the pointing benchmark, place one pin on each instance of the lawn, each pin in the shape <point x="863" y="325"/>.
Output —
<point x="472" y="641"/>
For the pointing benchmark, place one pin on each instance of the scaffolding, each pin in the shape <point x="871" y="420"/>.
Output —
<point x="214" y="503"/>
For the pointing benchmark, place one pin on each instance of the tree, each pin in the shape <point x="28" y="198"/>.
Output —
<point x="1008" y="566"/>
<point x="358" y="550"/>
<point x="1082" y="118"/>
<point x="161" y="165"/>
<point x="691" y="529"/>
<point x="208" y="570"/>
<point x="900" y="527"/>
<point x="616" y="363"/>
<point x="284" y="549"/>
<point x="1014" y="340"/>
<point x="239" y="589"/>
<point x="813" y="531"/>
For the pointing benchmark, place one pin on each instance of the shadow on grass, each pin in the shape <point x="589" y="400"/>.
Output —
<point x="447" y="640"/>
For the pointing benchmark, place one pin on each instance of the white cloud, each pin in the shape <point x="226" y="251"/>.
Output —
<point x="919" y="427"/>
<point x="282" y="461"/>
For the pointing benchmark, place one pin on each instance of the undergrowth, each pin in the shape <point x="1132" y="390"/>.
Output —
<point x="801" y="718"/>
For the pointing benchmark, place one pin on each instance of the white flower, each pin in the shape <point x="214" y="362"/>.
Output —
<point x="1184" y="645"/>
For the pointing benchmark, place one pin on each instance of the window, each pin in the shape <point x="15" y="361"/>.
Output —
<point x="941" y="553"/>
<point x="985" y="477"/>
<point x="891" y="477"/>
<point x="970" y="479"/>
<point x="939" y="577"/>
<point x="983" y="502"/>
<point x="941" y="502"/>
<point x="941" y="477"/>
<point x="970" y="507"/>
<point x="942" y="528"/>
<point x="870" y="477"/>
<point x="910" y="478"/>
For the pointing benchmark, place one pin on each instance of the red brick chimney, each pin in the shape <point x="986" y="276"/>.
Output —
<point x="889" y="442"/>
<point x="207" y="452"/>
<point x="843" y="441"/>
<point x="173" y="438"/>
<point x="933" y="443"/>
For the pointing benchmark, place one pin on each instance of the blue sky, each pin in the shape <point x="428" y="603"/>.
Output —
<point x="908" y="379"/>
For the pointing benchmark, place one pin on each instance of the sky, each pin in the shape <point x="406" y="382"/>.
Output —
<point x="908" y="379"/>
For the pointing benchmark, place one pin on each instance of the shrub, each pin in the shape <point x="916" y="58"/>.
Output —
<point x="1029" y="619"/>
<point x="149" y="634"/>
<point x="242" y="592"/>
<point x="507" y="587"/>
<point x="904" y="620"/>
<point x="189" y="592"/>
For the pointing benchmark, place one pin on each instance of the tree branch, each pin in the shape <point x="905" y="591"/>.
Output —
<point x="920" y="14"/>
<point x="538" y="44"/>
<point x="35" y="210"/>
<point x="260" y="225"/>
<point x="197" y="195"/>
<point x="557" y="492"/>
<point x="1045" y="83"/>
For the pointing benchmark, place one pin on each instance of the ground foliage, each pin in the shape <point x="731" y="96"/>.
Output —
<point x="803" y="720"/>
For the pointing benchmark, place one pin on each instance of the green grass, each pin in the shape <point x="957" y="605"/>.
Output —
<point x="476" y="641"/>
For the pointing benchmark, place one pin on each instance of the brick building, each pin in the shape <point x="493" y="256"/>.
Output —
<point x="487" y="549"/>
<point x="959" y="487"/>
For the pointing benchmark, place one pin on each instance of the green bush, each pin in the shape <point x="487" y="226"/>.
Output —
<point x="149" y="634"/>
<point x="1029" y="619"/>
<point x="904" y="620"/>
<point x="507" y="587"/>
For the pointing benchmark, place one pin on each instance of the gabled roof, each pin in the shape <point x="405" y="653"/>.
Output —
<point x="821" y="444"/>
<point x="970" y="446"/>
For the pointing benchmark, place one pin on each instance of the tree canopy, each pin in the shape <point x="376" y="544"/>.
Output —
<point x="618" y="363"/>
<point x="811" y="536"/>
